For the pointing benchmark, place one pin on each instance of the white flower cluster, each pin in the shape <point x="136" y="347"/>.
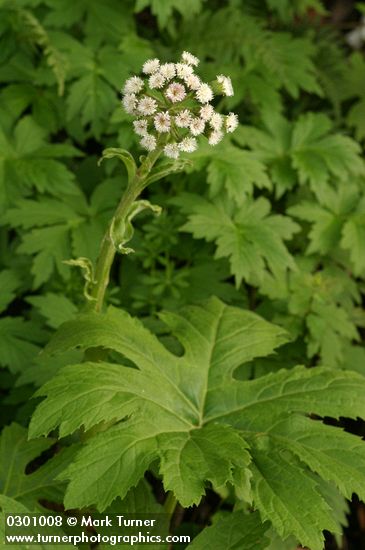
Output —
<point x="173" y="106"/>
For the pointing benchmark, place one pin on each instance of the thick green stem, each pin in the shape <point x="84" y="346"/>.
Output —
<point x="107" y="249"/>
<point x="170" y="507"/>
<point x="170" y="504"/>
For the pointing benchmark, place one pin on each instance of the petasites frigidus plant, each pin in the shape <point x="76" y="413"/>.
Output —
<point x="179" y="410"/>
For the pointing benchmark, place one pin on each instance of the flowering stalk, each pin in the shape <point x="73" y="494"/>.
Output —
<point x="108" y="247"/>
<point x="172" y="107"/>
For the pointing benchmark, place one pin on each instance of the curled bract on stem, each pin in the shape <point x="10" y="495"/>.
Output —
<point x="173" y="106"/>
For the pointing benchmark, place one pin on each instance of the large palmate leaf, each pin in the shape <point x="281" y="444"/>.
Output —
<point x="202" y="424"/>
<point x="140" y="500"/>
<point x="11" y="506"/>
<point x="28" y="488"/>
<point x="22" y="492"/>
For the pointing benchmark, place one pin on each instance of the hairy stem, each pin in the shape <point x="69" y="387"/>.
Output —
<point x="107" y="252"/>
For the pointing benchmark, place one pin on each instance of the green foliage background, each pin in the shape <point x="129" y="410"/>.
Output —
<point x="272" y="220"/>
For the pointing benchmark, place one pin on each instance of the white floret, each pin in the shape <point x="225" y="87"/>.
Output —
<point x="225" y="84"/>
<point x="188" y="145"/>
<point x="149" y="142"/>
<point x="151" y="66"/>
<point x="216" y="121"/>
<point x="175" y="92"/>
<point x="129" y="103"/>
<point x="183" y="70"/>
<point x="156" y="80"/>
<point x="197" y="126"/>
<point x="162" y="122"/>
<point x="190" y="59"/>
<point x="231" y="122"/>
<point x="193" y="82"/>
<point x="140" y="126"/>
<point x="215" y="137"/>
<point x="168" y="70"/>
<point x="206" y="112"/>
<point x="133" y="85"/>
<point x="147" y="106"/>
<point x="204" y="94"/>
<point x="183" y="119"/>
<point x="172" y="150"/>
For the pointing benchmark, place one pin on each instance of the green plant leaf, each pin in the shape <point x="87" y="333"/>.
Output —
<point x="306" y="151"/>
<point x="26" y="162"/>
<point x="236" y="172"/>
<point x="233" y="532"/>
<point x="9" y="284"/>
<point x="62" y="228"/>
<point x="248" y="235"/>
<point x="54" y="307"/>
<point x="164" y="10"/>
<point x="125" y="157"/>
<point x="28" y="488"/>
<point x="12" y="507"/>
<point x="176" y="408"/>
<point x="19" y="342"/>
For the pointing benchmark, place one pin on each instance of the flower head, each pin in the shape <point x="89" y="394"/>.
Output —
<point x="193" y="82"/>
<point x="183" y="119"/>
<point x="225" y="85"/>
<point x="188" y="145"/>
<point x="129" y="102"/>
<point x="168" y="70"/>
<point x="183" y="70"/>
<point x="206" y="112"/>
<point x="231" y="122"/>
<point x="174" y="125"/>
<point x="215" y="137"/>
<point x="156" y="80"/>
<point x="133" y="85"/>
<point x="147" y="106"/>
<point x="204" y="93"/>
<point x="172" y="150"/>
<point x="149" y="142"/>
<point x="216" y="121"/>
<point x="175" y="92"/>
<point x="140" y="126"/>
<point x="189" y="59"/>
<point x="197" y="126"/>
<point x="162" y="122"/>
<point x="151" y="66"/>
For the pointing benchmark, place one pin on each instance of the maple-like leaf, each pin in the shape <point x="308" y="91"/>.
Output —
<point x="306" y="151"/>
<point x="248" y="235"/>
<point x="164" y="10"/>
<point x="9" y="506"/>
<point x="19" y="342"/>
<point x="16" y="452"/>
<point x="62" y="228"/>
<point x="179" y="409"/>
<point x="27" y="162"/>
<point x="327" y="216"/>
